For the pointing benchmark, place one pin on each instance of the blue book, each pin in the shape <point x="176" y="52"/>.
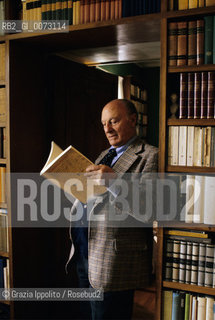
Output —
<point x="208" y="39"/>
<point x="178" y="305"/>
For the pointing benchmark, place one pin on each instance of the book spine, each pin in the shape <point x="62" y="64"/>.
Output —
<point x="207" y="154"/>
<point x="58" y="10"/>
<point x="87" y="11"/>
<point x="182" y="43"/>
<point x="175" y="267"/>
<point x="116" y="9"/>
<point x="214" y="39"/>
<point x="120" y="9"/>
<point x="214" y="270"/>
<point x="182" y="148"/>
<point x="175" y="138"/>
<point x="193" y="4"/>
<point x="201" y="264"/>
<point x="107" y="10"/>
<point x="187" y="306"/>
<point x="92" y="10"/>
<point x="112" y="9"/>
<point x="190" y="96"/>
<point x="98" y="10"/>
<point x="197" y="95"/>
<point x="176" y="301"/>
<point x="183" y="96"/>
<point x="201" y="4"/>
<point x="70" y="12"/>
<point x="77" y="12"/>
<point x="211" y="88"/>
<point x="169" y="260"/>
<point x="183" y="5"/>
<point x="209" y="3"/>
<point x="190" y="141"/>
<point x="172" y="43"/>
<point x="201" y="307"/>
<point x="53" y="6"/>
<point x="209" y="315"/>
<point x="204" y="94"/>
<point x="192" y="42"/>
<point x="194" y="263"/>
<point x="200" y="42"/>
<point x="209" y="265"/>
<point x="182" y="261"/>
<point x="208" y="39"/>
<point x="167" y="305"/>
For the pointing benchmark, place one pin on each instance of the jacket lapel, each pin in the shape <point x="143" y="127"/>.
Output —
<point x="128" y="157"/>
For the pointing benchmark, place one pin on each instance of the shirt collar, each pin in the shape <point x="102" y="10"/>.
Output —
<point x="125" y="146"/>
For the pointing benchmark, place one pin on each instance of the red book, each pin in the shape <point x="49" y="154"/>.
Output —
<point x="211" y="88"/>
<point x="182" y="44"/>
<point x="86" y="11"/>
<point x="200" y="42"/>
<point x="190" y="96"/>
<point x="204" y="94"/>
<point x="172" y="43"/>
<point x="92" y="10"/>
<point x="183" y="96"/>
<point x="82" y="8"/>
<point x="192" y="43"/>
<point x="98" y="10"/>
<point x="197" y="95"/>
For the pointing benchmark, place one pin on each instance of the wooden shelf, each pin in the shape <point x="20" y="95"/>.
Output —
<point x="185" y="169"/>
<point x="4" y="254"/>
<point x="2" y="82"/>
<point x="200" y="68"/>
<point x="189" y="287"/>
<point x="190" y="226"/>
<point x="191" y="122"/>
<point x="5" y="302"/>
<point x="190" y="12"/>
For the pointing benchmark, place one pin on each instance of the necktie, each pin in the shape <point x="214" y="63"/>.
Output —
<point x="108" y="157"/>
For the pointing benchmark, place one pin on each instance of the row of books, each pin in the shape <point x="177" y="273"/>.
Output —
<point x="200" y="201"/>
<point x="138" y="92"/>
<point x="4" y="273"/>
<point x="2" y="104"/>
<point x="197" y="95"/>
<point x="2" y="184"/>
<point x="2" y="60"/>
<point x="191" y="42"/>
<point x="189" y="4"/>
<point x="188" y="261"/>
<point x="2" y="142"/>
<point x="191" y="146"/>
<point x="4" y="241"/>
<point x="85" y="11"/>
<point x="178" y="305"/>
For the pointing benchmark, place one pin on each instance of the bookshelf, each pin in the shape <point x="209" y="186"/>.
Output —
<point x="169" y="72"/>
<point x="29" y="130"/>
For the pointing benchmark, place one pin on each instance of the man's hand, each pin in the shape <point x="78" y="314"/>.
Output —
<point x="100" y="172"/>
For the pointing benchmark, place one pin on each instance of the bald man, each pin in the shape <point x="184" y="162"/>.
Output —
<point x="109" y="257"/>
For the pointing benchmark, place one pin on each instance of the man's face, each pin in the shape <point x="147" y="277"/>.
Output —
<point x="119" y="126"/>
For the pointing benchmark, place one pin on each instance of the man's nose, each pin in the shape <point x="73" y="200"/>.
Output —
<point x="108" y="128"/>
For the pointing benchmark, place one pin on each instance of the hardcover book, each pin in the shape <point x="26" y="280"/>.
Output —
<point x="70" y="163"/>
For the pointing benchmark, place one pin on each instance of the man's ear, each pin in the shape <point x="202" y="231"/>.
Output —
<point x="133" y="118"/>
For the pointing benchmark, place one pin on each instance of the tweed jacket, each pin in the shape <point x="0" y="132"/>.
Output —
<point x="120" y="257"/>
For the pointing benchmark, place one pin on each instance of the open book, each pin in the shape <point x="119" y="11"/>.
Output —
<point x="64" y="165"/>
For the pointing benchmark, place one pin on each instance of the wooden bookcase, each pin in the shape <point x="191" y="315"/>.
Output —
<point x="165" y="72"/>
<point x="33" y="250"/>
